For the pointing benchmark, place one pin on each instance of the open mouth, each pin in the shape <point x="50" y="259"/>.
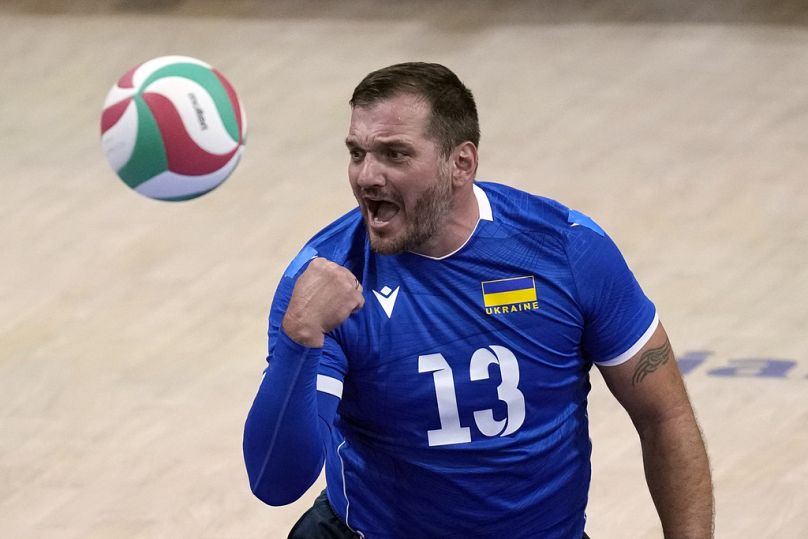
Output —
<point x="381" y="211"/>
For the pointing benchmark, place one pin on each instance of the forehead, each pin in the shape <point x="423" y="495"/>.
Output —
<point x="404" y="116"/>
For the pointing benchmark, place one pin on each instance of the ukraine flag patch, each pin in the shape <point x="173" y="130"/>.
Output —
<point x="511" y="291"/>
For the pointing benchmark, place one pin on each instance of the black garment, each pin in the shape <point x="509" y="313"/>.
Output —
<point x="321" y="522"/>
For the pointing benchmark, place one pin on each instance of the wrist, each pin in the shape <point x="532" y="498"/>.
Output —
<point x="302" y="333"/>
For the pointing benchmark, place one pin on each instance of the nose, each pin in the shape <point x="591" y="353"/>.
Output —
<point x="368" y="173"/>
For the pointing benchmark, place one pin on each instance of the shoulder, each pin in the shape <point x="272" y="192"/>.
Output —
<point x="342" y="241"/>
<point x="337" y="240"/>
<point x="543" y="217"/>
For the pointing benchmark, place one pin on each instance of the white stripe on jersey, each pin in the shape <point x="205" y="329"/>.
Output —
<point x="329" y="385"/>
<point x="484" y="204"/>
<point x="345" y="492"/>
<point x="628" y="354"/>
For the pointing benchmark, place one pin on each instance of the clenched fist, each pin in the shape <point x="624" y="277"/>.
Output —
<point x="324" y="296"/>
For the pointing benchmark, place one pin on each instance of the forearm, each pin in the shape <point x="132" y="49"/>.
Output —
<point x="283" y="448"/>
<point x="678" y="474"/>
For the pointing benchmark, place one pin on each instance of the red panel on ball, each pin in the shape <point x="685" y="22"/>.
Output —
<point x="126" y="80"/>
<point x="113" y="113"/>
<point x="183" y="154"/>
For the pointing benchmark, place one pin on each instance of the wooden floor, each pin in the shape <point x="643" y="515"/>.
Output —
<point x="132" y="332"/>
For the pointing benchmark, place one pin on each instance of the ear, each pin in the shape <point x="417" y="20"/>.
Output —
<point x="464" y="163"/>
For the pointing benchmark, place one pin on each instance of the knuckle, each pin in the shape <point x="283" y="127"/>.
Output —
<point x="317" y="264"/>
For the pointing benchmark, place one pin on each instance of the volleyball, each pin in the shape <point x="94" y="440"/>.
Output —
<point x="173" y="128"/>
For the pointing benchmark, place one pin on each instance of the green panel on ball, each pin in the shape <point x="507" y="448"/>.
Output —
<point x="208" y="80"/>
<point x="149" y="156"/>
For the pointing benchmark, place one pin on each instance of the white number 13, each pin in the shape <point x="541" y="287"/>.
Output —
<point x="450" y="431"/>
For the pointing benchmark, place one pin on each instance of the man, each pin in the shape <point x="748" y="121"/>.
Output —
<point x="433" y="346"/>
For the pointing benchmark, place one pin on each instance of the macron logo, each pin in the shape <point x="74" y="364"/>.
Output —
<point x="387" y="299"/>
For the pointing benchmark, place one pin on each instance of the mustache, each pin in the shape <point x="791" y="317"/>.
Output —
<point x="378" y="193"/>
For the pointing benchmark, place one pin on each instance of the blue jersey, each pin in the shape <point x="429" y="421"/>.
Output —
<point x="463" y="381"/>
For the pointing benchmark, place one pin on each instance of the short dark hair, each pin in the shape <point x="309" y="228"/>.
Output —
<point x="454" y="113"/>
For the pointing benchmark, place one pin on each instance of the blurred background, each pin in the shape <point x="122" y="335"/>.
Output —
<point x="132" y="331"/>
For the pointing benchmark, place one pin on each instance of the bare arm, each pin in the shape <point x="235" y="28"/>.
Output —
<point x="650" y="387"/>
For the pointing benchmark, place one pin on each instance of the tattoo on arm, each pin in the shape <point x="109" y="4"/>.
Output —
<point x="650" y="361"/>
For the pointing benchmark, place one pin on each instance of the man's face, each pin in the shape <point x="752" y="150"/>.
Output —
<point x="397" y="175"/>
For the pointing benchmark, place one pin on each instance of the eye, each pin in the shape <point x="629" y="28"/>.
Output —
<point x="395" y="155"/>
<point x="356" y="155"/>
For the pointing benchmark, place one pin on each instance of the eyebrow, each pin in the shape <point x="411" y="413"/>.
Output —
<point x="352" y="142"/>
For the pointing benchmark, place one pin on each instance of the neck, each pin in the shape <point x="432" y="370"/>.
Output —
<point x="457" y="227"/>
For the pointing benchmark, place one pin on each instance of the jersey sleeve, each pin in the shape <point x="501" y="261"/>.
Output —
<point x="295" y="406"/>
<point x="333" y="364"/>
<point x="618" y="317"/>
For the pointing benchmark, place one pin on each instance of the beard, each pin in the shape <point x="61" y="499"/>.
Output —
<point x="424" y="220"/>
